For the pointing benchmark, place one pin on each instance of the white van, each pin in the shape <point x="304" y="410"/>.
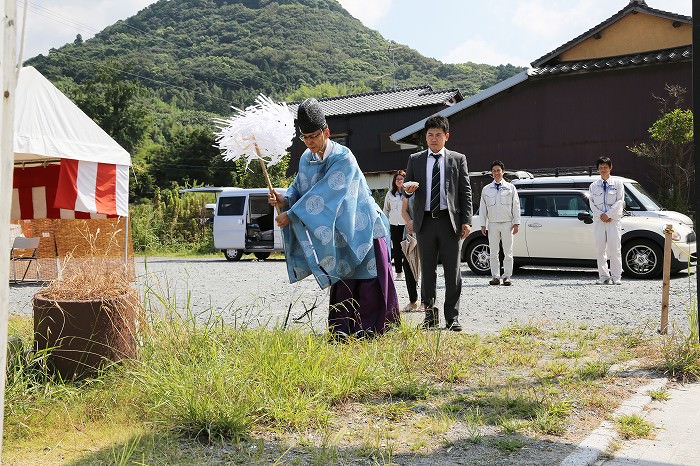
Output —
<point x="638" y="202"/>
<point x="244" y="222"/>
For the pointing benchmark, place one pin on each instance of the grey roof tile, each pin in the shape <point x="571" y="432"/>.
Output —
<point x="384" y="100"/>
<point x="658" y="56"/>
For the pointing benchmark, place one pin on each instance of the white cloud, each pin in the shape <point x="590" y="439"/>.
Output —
<point x="367" y="11"/>
<point x="552" y="19"/>
<point x="682" y="7"/>
<point x="547" y="19"/>
<point x="53" y="23"/>
<point x="480" y="51"/>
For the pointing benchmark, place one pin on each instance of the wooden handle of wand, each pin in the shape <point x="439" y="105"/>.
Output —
<point x="267" y="177"/>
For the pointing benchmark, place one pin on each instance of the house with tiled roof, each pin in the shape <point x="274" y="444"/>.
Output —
<point x="363" y="122"/>
<point x="592" y="96"/>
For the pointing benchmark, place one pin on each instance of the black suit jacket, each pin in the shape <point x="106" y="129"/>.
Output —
<point x="457" y="188"/>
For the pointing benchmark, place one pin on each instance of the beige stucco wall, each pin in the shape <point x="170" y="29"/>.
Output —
<point x="634" y="33"/>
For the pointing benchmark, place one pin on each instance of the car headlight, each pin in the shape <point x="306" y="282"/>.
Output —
<point x="676" y="235"/>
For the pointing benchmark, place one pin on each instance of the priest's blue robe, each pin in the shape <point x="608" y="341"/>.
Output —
<point x="334" y="227"/>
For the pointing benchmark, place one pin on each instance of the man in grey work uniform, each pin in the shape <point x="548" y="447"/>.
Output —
<point x="608" y="207"/>
<point x="442" y="218"/>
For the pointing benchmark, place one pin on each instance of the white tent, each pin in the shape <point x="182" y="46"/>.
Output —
<point x="49" y="127"/>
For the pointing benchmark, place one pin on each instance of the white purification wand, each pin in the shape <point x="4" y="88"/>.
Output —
<point x="263" y="131"/>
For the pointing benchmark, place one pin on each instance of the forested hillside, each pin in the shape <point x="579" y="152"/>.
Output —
<point x="155" y="80"/>
<point x="209" y="54"/>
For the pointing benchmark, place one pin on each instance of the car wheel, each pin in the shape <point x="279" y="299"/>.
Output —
<point x="262" y="255"/>
<point x="642" y="258"/>
<point x="233" y="254"/>
<point x="478" y="256"/>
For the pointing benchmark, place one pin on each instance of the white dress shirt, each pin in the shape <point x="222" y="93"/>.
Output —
<point x="429" y="179"/>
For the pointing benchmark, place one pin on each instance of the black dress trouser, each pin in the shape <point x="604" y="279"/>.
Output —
<point x="437" y="239"/>
<point x="396" y="252"/>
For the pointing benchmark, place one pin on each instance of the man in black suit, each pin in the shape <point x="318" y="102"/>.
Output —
<point x="441" y="218"/>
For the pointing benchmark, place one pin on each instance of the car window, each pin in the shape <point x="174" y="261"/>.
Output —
<point x="569" y="205"/>
<point x="631" y="203"/>
<point x="231" y="205"/>
<point x="540" y="206"/>
<point x="645" y="200"/>
<point x="559" y="205"/>
<point x="524" y="201"/>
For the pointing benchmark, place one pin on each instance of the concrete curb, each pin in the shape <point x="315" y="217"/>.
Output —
<point x="589" y="450"/>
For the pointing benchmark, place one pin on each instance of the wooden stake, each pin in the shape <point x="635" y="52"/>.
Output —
<point x="668" y="231"/>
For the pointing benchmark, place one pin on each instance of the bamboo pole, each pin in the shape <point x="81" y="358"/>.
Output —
<point x="8" y="78"/>
<point x="267" y="177"/>
<point x="665" y="290"/>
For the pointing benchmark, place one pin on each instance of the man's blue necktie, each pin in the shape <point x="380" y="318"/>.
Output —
<point x="605" y="192"/>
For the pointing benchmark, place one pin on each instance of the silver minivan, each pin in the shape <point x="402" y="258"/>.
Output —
<point x="244" y="222"/>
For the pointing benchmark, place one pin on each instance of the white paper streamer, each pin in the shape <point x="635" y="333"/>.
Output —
<point x="268" y="124"/>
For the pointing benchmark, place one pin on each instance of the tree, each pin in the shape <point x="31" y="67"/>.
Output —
<point x="114" y="103"/>
<point x="671" y="150"/>
<point x="189" y="157"/>
<point x="252" y="177"/>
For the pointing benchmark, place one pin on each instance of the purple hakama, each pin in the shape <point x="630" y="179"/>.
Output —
<point x="365" y="305"/>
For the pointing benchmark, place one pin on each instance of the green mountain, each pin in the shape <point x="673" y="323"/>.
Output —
<point x="156" y="81"/>
<point x="211" y="54"/>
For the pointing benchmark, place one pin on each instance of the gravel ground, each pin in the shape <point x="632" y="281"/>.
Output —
<point x="257" y="292"/>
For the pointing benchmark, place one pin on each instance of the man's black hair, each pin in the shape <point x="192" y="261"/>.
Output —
<point x="603" y="160"/>
<point x="499" y="163"/>
<point x="437" y="122"/>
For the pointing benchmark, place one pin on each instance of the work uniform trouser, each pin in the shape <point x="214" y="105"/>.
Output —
<point x="608" y="240"/>
<point x="501" y="232"/>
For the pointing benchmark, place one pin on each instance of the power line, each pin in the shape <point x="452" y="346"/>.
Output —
<point x="54" y="16"/>
<point x="163" y="83"/>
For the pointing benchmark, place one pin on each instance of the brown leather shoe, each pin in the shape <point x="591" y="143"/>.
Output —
<point x="494" y="281"/>
<point x="507" y="282"/>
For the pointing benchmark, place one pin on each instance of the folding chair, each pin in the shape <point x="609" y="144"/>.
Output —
<point x="24" y="244"/>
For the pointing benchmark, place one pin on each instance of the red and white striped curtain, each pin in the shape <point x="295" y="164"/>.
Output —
<point x="73" y="189"/>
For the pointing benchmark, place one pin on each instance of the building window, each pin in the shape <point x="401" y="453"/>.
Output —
<point x="340" y="138"/>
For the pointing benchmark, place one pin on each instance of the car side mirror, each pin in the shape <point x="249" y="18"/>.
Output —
<point x="585" y="217"/>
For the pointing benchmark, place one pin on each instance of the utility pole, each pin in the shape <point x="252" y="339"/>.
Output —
<point x="696" y="128"/>
<point x="392" y="49"/>
<point x="8" y="79"/>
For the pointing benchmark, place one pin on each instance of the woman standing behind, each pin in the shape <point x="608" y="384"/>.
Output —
<point x="392" y="209"/>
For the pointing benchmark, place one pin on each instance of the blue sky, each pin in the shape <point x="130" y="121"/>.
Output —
<point x="454" y="31"/>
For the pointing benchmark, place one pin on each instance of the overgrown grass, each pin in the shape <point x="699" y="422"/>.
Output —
<point x="660" y="394"/>
<point x="172" y="223"/>
<point x="203" y="388"/>
<point x="681" y="352"/>
<point x="633" y="426"/>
